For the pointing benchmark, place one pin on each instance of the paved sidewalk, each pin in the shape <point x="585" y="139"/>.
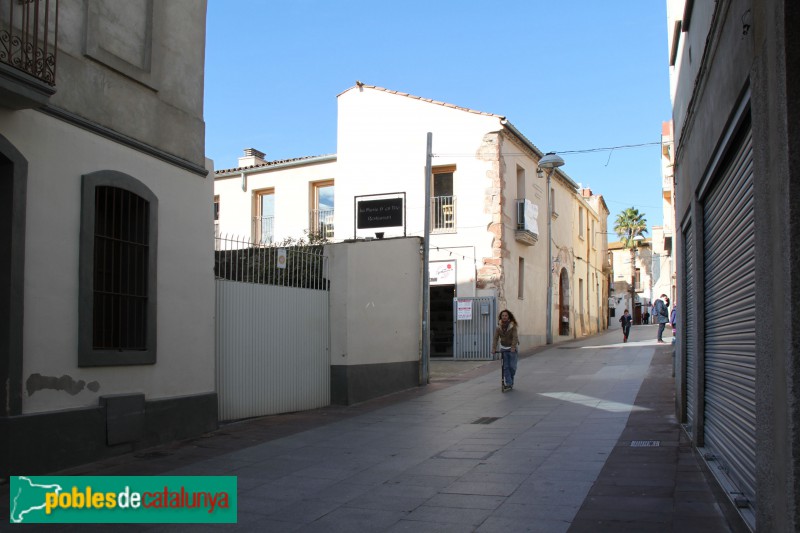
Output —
<point x="458" y="455"/>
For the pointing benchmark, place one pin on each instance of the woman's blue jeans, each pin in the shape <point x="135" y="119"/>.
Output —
<point x="509" y="366"/>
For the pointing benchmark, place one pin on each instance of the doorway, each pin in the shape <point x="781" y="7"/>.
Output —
<point x="13" y="187"/>
<point x="441" y="318"/>
<point x="563" y="303"/>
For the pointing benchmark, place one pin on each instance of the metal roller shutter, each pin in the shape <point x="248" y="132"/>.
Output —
<point x="729" y="345"/>
<point x="689" y="331"/>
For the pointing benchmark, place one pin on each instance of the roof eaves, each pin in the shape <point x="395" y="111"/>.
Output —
<point x="281" y="163"/>
<point x="430" y="101"/>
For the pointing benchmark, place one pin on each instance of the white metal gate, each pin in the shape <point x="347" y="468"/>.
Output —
<point x="272" y="330"/>
<point x="729" y="340"/>
<point x="474" y="320"/>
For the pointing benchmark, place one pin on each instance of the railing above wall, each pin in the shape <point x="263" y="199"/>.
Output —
<point x="29" y="37"/>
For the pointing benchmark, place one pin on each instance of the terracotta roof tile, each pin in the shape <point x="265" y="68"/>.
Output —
<point x="271" y="163"/>
<point x="430" y="101"/>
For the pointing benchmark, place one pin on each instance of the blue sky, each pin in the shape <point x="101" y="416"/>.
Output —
<point x="569" y="74"/>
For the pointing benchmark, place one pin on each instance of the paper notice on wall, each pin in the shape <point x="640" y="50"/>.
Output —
<point x="280" y="262"/>
<point x="464" y="309"/>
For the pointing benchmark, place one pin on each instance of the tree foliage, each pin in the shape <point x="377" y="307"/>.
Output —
<point x="628" y="225"/>
<point x="290" y="263"/>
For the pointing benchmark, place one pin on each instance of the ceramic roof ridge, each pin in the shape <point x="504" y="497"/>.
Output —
<point x="273" y="163"/>
<point x="422" y="98"/>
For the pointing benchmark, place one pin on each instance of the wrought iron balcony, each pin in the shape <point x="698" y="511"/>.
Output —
<point x="263" y="230"/>
<point x="320" y="224"/>
<point x="443" y="214"/>
<point x="28" y="45"/>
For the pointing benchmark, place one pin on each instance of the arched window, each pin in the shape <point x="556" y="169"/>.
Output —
<point x="119" y="222"/>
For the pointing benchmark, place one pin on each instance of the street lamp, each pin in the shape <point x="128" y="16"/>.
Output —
<point x="547" y="165"/>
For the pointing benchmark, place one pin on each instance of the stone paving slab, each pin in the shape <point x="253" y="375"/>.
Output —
<point x="459" y="455"/>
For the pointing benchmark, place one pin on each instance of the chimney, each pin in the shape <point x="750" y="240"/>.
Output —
<point x="252" y="157"/>
<point x="586" y="192"/>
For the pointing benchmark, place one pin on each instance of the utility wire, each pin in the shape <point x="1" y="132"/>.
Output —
<point x="584" y="151"/>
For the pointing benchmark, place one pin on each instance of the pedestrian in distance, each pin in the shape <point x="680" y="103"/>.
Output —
<point x="673" y="319"/>
<point x="646" y="317"/>
<point x="505" y="341"/>
<point x="626" y="320"/>
<point x="661" y="311"/>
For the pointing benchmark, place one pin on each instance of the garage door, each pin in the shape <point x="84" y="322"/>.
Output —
<point x="729" y="325"/>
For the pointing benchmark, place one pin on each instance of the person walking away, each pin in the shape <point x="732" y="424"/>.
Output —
<point x="626" y="319"/>
<point x="661" y="311"/>
<point x="506" y="340"/>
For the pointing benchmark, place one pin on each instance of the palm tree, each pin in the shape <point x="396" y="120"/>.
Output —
<point x="629" y="225"/>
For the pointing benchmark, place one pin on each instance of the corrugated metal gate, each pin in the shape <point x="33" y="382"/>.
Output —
<point x="689" y="333"/>
<point x="729" y="346"/>
<point x="474" y="320"/>
<point x="272" y="330"/>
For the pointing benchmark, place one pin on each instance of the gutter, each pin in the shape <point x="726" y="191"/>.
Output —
<point x="242" y="172"/>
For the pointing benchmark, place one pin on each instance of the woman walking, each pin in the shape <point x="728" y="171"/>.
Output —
<point x="506" y="340"/>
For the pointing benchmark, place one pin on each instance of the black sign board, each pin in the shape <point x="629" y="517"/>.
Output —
<point x="384" y="213"/>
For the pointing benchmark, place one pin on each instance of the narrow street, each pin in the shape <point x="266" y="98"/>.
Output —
<point x="552" y="455"/>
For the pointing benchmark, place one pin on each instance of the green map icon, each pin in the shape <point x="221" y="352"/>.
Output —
<point x="28" y="497"/>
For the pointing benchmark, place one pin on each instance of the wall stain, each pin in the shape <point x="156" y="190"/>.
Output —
<point x="37" y="382"/>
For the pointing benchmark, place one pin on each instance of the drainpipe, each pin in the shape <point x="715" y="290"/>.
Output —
<point x="426" y="278"/>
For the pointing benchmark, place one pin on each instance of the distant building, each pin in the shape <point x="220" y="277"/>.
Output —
<point x="488" y="218"/>
<point x="637" y="272"/>
<point x="106" y="282"/>
<point x="734" y="67"/>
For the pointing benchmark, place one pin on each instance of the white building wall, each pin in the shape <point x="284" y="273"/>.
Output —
<point x="293" y="196"/>
<point x="381" y="150"/>
<point x="185" y="352"/>
<point x="382" y="141"/>
<point x="376" y="302"/>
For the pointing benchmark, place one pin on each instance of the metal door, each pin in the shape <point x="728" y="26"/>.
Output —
<point x="474" y="320"/>
<point x="729" y="323"/>
<point x="688" y="333"/>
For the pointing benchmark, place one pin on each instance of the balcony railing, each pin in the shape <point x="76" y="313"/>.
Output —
<point x="320" y="224"/>
<point x="29" y="37"/>
<point x="443" y="214"/>
<point x="263" y="230"/>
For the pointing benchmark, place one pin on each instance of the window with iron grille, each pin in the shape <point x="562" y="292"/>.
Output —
<point x="117" y="321"/>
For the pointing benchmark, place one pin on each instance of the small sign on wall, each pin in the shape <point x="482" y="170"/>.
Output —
<point x="464" y="309"/>
<point x="442" y="272"/>
<point x="383" y="213"/>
